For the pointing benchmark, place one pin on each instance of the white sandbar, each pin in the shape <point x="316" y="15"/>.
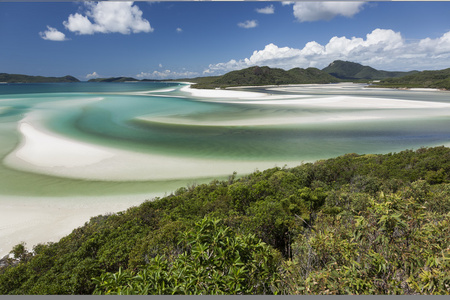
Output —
<point x="352" y="102"/>
<point x="44" y="150"/>
<point x="47" y="153"/>
<point x="220" y="93"/>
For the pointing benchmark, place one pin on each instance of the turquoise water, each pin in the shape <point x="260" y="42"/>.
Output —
<point x="160" y="119"/>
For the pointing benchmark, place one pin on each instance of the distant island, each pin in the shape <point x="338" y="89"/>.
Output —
<point x="439" y="79"/>
<point x="265" y="76"/>
<point x="337" y="71"/>
<point x="19" y="78"/>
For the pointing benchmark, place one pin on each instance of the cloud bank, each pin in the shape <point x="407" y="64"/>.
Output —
<point x="108" y="17"/>
<point x="382" y="49"/>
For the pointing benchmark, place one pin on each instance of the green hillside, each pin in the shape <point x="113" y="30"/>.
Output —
<point x="355" y="224"/>
<point x="439" y="79"/>
<point x="265" y="76"/>
<point x="19" y="78"/>
<point x="350" y="70"/>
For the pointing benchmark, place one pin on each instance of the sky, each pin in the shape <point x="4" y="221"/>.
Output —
<point x="162" y="40"/>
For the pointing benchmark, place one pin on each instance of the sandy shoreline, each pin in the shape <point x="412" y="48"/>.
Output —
<point x="41" y="220"/>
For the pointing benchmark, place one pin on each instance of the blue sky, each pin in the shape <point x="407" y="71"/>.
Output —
<point x="189" y="39"/>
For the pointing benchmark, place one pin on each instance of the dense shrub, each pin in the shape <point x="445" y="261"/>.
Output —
<point x="355" y="224"/>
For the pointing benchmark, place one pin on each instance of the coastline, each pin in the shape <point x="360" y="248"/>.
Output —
<point x="40" y="220"/>
<point x="48" y="219"/>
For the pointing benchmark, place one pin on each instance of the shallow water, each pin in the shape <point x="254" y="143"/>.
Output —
<point x="315" y="122"/>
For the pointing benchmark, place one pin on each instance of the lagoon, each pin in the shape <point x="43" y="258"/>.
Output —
<point x="72" y="151"/>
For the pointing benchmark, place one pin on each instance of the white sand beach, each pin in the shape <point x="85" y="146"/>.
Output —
<point x="41" y="219"/>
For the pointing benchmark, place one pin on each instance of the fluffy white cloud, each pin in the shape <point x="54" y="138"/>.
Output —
<point x="266" y="10"/>
<point x="92" y="75"/>
<point x="382" y="49"/>
<point x="166" y="74"/>
<point x="248" y="24"/>
<point x="315" y="11"/>
<point x="439" y="46"/>
<point x="179" y="30"/>
<point x="108" y="17"/>
<point x="52" y="34"/>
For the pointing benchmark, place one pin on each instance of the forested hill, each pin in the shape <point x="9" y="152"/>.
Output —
<point x="350" y="70"/>
<point x="355" y="224"/>
<point x="265" y="76"/>
<point x="439" y="79"/>
<point x="19" y="78"/>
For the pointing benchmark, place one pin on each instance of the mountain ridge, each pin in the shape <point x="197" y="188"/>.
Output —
<point x="347" y="70"/>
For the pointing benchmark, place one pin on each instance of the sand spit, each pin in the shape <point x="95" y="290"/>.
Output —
<point x="45" y="152"/>
<point x="352" y="102"/>
<point x="219" y="93"/>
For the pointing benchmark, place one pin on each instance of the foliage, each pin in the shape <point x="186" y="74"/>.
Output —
<point x="350" y="70"/>
<point x="439" y="79"/>
<point x="266" y="76"/>
<point x="216" y="261"/>
<point x="354" y="224"/>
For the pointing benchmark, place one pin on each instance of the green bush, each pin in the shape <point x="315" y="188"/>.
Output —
<point x="216" y="261"/>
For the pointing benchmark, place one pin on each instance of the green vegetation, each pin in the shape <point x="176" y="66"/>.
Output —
<point x="427" y="79"/>
<point x="355" y="224"/>
<point x="18" y="78"/>
<point x="337" y="71"/>
<point x="353" y="71"/>
<point x="265" y="76"/>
